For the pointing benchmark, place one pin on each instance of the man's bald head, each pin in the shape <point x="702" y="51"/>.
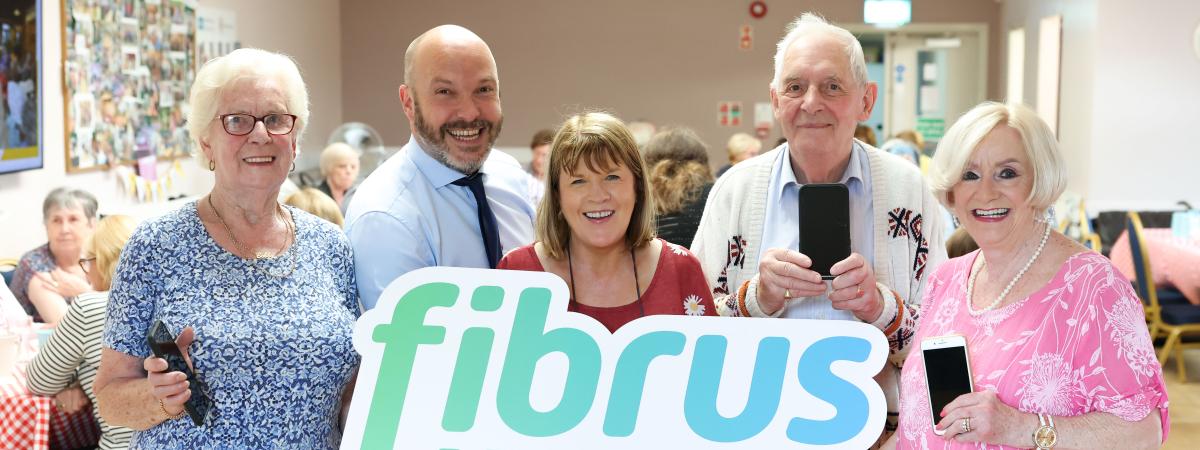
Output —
<point x="441" y="37"/>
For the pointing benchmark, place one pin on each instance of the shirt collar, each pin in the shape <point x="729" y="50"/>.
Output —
<point x="438" y="174"/>
<point x="853" y="169"/>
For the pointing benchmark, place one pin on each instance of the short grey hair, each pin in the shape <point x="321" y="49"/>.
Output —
<point x="956" y="147"/>
<point x="64" y="197"/>
<point x="813" y="23"/>
<point x="222" y="71"/>
<point x="335" y="153"/>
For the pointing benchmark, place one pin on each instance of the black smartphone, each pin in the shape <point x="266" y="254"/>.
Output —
<point x="947" y="372"/>
<point x="162" y="343"/>
<point x="825" y="225"/>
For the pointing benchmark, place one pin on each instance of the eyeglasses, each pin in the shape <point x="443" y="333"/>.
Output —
<point x="84" y="263"/>
<point x="243" y="124"/>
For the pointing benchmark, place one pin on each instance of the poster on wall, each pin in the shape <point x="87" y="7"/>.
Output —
<point x="20" y="91"/>
<point x="216" y="33"/>
<point x="128" y="65"/>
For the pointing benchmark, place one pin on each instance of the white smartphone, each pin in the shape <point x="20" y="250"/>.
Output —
<point x="947" y="372"/>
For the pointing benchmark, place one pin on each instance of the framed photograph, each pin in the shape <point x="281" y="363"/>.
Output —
<point x="126" y="62"/>
<point x="20" y="94"/>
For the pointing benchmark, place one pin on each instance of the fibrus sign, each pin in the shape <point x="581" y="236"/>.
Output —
<point x="479" y="359"/>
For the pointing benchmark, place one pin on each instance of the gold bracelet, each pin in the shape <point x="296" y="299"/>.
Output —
<point x="170" y="416"/>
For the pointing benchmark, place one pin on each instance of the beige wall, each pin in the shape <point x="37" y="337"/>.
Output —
<point x="1128" y="97"/>
<point x="667" y="62"/>
<point x="310" y="34"/>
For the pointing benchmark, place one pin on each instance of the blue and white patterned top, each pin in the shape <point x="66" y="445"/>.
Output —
<point x="275" y="353"/>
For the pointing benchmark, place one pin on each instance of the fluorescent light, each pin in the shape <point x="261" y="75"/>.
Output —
<point x="887" y="12"/>
<point x="943" y="42"/>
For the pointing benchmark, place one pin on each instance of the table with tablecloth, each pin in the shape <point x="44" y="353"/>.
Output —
<point x="1174" y="261"/>
<point x="32" y="422"/>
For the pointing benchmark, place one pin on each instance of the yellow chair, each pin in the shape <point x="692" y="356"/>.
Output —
<point x="1177" y="321"/>
<point x="7" y="267"/>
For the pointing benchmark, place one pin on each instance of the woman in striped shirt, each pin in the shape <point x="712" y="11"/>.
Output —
<point x="67" y="363"/>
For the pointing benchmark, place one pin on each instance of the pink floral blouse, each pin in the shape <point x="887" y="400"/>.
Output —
<point x="1077" y="345"/>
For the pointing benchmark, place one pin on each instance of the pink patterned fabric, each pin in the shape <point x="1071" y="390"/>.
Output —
<point x="1173" y="260"/>
<point x="1077" y="345"/>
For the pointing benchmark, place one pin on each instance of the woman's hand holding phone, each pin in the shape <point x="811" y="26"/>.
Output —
<point x="171" y="388"/>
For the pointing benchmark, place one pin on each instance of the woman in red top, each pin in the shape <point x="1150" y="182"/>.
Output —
<point x="595" y="230"/>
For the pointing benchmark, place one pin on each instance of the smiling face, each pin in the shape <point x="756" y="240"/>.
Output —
<point x="598" y="204"/>
<point x="258" y="160"/>
<point x="453" y="100"/>
<point x="992" y="197"/>
<point x="817" y="101"/>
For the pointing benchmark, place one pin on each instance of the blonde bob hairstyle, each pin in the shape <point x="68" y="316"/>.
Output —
<point x="318" y="204"/>
<point x="955" y="149"/>
<point x="600" y="142"/>
<point x="106" y="244"/>
<point x="225" y="71"/>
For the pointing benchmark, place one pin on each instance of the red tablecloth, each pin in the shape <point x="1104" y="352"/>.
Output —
<point x="1173" y="261"/>
<point x="31" y="422"/>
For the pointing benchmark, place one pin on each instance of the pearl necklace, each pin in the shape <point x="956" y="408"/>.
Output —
<point x="1004" y="293"/>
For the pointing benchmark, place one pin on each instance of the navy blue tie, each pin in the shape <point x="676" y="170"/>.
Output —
<point x="487" y="220"/>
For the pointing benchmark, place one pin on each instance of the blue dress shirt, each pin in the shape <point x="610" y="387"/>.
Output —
<point x="782" y="224"/>
<point x="407" y="215"/>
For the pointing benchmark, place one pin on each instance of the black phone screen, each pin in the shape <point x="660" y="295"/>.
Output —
<point x="947" y="376"/>
<point x="824" y="225"/>
<point x="162" y="343"/>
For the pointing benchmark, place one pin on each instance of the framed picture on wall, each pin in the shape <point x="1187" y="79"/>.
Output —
<point x="20" y="85"/>
<point x="126" y="64"/>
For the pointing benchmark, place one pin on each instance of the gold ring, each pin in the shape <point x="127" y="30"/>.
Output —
<point x="787" y="293"/>
<point x="966" y="425"/>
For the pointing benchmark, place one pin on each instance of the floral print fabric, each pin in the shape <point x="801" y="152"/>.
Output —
<point x="275" y="352"/>
<point x="1077" y="345"/>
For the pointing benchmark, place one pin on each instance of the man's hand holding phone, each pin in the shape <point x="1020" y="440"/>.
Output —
<point x="171" y="388"/>
<point x="784" y="274"/>
<point x="854" y="288"/>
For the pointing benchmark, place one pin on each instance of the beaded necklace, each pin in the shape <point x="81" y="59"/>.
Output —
<point x="975" y="272"/>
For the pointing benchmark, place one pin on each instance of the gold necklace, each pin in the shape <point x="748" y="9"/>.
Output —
<point x="261" y="255"/>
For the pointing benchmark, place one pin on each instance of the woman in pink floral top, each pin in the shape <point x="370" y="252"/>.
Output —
<point x="1057" y="339"/>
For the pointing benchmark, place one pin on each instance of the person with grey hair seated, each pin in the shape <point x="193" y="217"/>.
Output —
<point x="48" y="278"/>
<point x="339" y="170"/>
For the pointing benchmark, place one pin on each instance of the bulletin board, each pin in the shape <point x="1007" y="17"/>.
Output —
<point x="127" y="69"/>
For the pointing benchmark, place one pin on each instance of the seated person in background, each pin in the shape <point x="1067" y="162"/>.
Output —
<point x="597" y="224"/>
<point x="318" y="204"/>
<point x="540" y="148"/>
<point x="1057" y="338"/>
<point x="48" y="278"/>
<point x="66" y="366"/>
<point x="680" y="180"/>
<point x="960" y="243"/>
<point x="865" y="134"/>
<point x="339" y="167"/>
<point x="910" y="145"/>
<point x="741" y="146"/>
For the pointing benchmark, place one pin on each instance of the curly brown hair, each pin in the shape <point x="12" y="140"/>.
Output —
<point x="678" y="162"/>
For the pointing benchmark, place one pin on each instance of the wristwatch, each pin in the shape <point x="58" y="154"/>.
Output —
<point x="1046" y="436"/>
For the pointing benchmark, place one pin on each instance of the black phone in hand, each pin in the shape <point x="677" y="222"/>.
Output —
<point x="162" y="343"/>
<point x="824" y="225"/>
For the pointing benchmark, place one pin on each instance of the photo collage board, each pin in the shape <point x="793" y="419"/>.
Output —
<point x="128" y="67"/>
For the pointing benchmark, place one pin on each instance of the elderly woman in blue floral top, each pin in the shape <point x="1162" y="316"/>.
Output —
<point x="267" y="291"/>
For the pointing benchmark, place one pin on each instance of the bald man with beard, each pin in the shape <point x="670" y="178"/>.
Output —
<point x="447" y="198"/>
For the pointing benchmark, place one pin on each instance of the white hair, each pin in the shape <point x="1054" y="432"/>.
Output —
<point x="961" y="140"/>
<point x="814" y="23"/>
<point x="334" y="154"/>
<point x="221" y="72"/>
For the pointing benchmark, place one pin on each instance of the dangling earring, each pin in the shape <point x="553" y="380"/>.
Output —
<point x="1048" y="217"/>
<point x="212" y="166"/>
<point x="293" y="167"/>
